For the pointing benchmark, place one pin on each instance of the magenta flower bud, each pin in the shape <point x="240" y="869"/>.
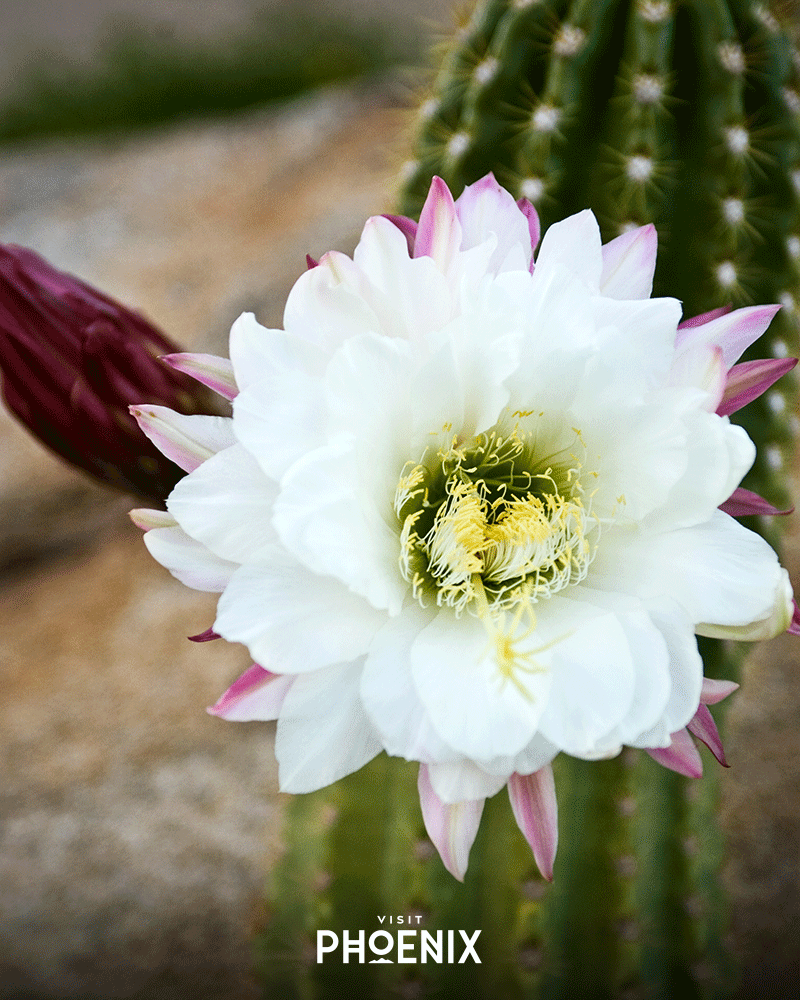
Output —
<point x="73" y="360"/>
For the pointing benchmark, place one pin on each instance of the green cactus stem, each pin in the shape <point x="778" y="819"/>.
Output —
<point x="686" y="115"/>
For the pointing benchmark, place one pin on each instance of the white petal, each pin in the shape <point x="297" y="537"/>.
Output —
<point x="187" y="440"/>
<point x="463" y="780"/>
<point x="777" y="621"/>
<point x="629" y="263"/>
<point x="188" y="560"/>
<point x="718" y="571"/>
<point x="594" y="660"/>
<point x="332" y="524"/>
<point x="327" y="304"/>
<point x="390" y="698"/>
<point x="472" y="705"/>
<point x="323" y="732"/>
<point x="293" y="620"/>
<point x="575" y="244"/>
<point x="227" y="505"/>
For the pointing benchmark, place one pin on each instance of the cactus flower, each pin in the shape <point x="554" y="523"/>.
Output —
<point x="73" y="360"/>
<point x="467" y="510"/>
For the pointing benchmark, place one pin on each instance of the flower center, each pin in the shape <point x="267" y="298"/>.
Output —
<point x="490" y="524"/>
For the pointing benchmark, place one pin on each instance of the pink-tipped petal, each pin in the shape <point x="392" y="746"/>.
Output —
<point x="407" y="227"/>
<point x="704" y="728"/>
<point x="216" y="373"/>
<point x="452" y="828"/>
<point x="439" y="231"/>
<point x="745" y="503"/>
<point x="149" y="519"/>
<point x="533" y="802"/>
<point x="629" y="263"/>
<point x="208" y="636"/>
<point x="187" y="441"/>
<point x="534" y="226"/>
<point x="734" y="332"/>
<point x="704" y="368"/>
<point x="705" y="317"/>
<point x="681" y="756"/>
<point x="310" y="262"/>
<point x="749" y="380"/>
<point x="794" y="625"/>
<point x="256" y="695"/>
<point x="714" y="691"/>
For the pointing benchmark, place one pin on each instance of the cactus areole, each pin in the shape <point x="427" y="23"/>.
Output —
<point x="682" y="114"/>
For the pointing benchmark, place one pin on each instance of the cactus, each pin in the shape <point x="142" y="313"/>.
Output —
<point x="682" y="114"/>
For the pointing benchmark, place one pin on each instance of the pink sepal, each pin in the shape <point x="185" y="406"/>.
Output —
<point x="749" y="380"/>
<point x="714" y="691"/>
<point x="533" y="802"/>
<point x="745" y="503"/>
<point x="794" y="625"/>
<point x="706" y="317"/>
<point x="216" y="373"/>
<point x="256" y="695"/>
<point x="439" y="231"/>
<point x="407" y="227"/>
<point x="704" y="728"/>
<point x="682" y="756"/>
<point x="310" y="262"/>
<point x="206" y="636"/>
<point x="534" y="226"/>
<point x="733" y="332"/>
<point x="452" y="828"/>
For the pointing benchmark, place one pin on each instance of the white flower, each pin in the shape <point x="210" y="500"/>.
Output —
<point x="467" y="509"/>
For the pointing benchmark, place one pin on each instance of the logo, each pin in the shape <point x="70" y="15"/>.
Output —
<point x="406" y="946"/>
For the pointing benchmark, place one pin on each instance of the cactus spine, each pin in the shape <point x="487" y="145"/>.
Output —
<point x="683" y="114"/>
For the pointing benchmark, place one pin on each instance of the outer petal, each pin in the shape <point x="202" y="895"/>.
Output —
<point x="187" y="440"/>
<point x="484" y="209"/>
<point x="256" y="695"/>
<point x="188" y="560"/>
<point x="714" y="691"/>
<point x="681" y="756"/>
<point x="227" y="505"/>
<point x="778" y="619"/>
<point x="149" y="519"/>
<point x="533" y="802"/>
<point x="439" y="231"/>
<point x="216" y="373"/>
<point x="269" y="608"/>
<point x="704" y="728"/>
<point x="745" y="503"/>
<point x="629" y="263"/>
<point x="749" y="380"/>
<point x="323" y="732"/>
<point x="734" y="332"/>
<point x="452" y="828"/>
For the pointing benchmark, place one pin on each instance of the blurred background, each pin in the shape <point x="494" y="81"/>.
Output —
<point x="184" y="157"/>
